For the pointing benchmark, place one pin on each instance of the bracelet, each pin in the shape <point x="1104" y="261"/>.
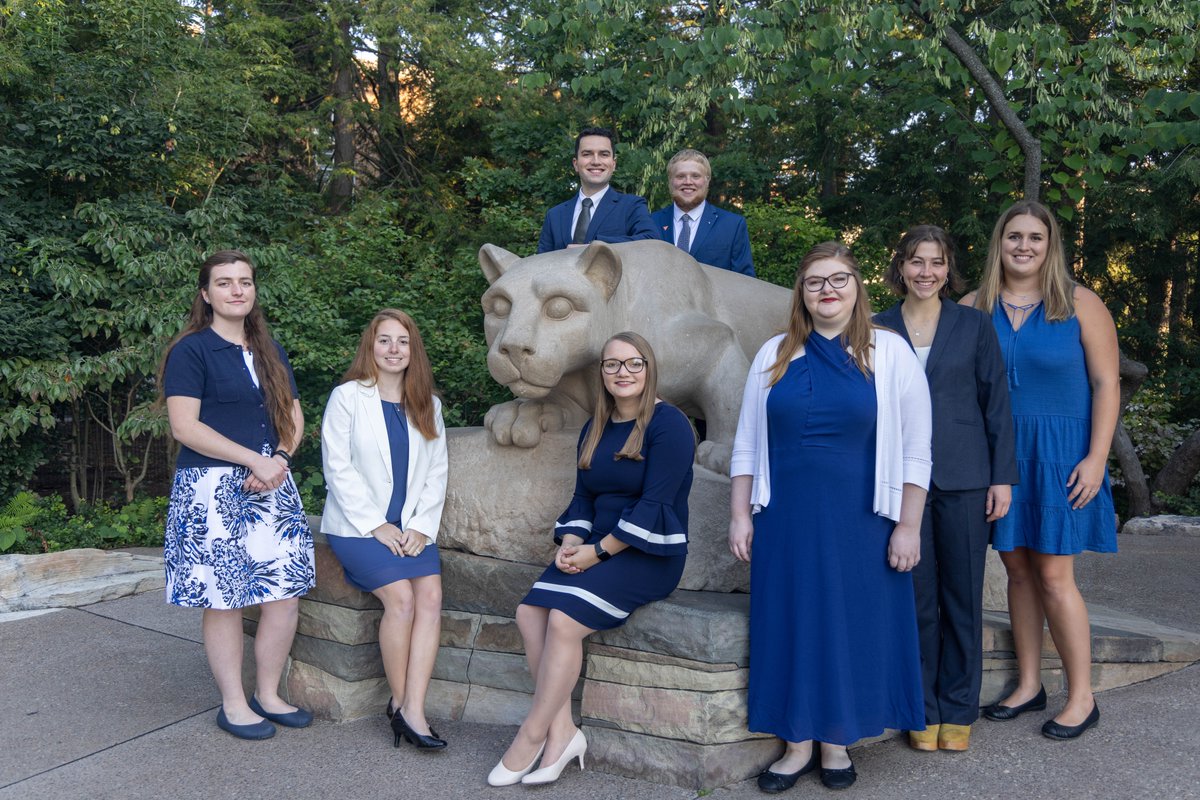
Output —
<point x="285" y="455"/>
<point x="601" y="553"/>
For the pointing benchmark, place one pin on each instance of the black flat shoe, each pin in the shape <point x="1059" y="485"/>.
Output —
<point x="300" y="718"/>
<point x="419" y="740"/>
<point x="1055" y="730"/>
<point x="1000" y="713"/>
<point x="838" y="778"/>
<point x="254" y="731"/>
<point x="776" y="782"/>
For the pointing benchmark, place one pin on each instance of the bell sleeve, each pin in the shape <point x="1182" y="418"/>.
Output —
<point x="654" y="523"/>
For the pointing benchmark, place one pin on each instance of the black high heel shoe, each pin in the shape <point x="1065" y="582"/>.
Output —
<point x="404" y="731"/>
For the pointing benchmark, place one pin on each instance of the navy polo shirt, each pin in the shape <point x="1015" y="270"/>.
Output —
<point x="207" y="367"/>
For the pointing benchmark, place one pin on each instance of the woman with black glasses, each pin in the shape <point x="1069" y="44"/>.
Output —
<point x="829" y="472"/>
<point x="622" y="543"/>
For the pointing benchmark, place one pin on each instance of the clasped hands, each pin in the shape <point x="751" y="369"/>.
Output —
<point x="267" y="475"/>
<point x="573" y="558"/>
<point x="405" y="542"/>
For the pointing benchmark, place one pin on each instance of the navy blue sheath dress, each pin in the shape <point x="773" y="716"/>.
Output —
<point x="642" y="503"/>
<point x="367" y="562"/>
<point x="833" y="629"/>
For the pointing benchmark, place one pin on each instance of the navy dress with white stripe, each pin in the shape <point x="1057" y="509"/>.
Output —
<point x="642" y="503"/>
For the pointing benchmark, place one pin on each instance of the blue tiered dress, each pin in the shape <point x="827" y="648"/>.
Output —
<point x="1052" y="422"/>
<point x="642" y="503"/>
<point x="834" y="654"/>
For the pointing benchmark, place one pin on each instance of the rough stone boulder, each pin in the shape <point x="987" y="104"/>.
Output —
<point x="75" y="578"/>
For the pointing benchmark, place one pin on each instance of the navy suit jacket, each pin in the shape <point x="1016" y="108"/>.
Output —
<point x="720" y="239"/>
<point x="618" y="218"/>
<point x="973" y="445"/>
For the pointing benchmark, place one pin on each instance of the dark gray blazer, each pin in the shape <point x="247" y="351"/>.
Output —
<point x="972" y="419"/>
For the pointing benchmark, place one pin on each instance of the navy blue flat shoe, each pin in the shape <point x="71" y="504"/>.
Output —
<point x="300" y="718"/>
<point x="258" y="730"/>
<point x="1056" y="730"/>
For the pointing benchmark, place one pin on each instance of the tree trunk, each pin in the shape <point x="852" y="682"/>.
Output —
<point x="1031" y="146"/>
<point x="1136" y="485"/>
<point x="341" y="187"/>
<point x="1181" y="468"/>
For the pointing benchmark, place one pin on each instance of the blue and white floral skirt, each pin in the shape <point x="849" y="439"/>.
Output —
<point x="229" y="548"/>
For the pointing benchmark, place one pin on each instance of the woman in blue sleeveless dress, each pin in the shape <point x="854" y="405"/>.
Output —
<point x="832" y="456"/>
<point x="383" y="449"/>
<point x="1060" y="348"/>
<point x="622" y="544"/>
<point x="236" y="534"/>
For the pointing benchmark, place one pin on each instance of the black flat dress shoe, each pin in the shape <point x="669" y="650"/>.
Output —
<point x="1000" y="713"/>
<point x="776" y="782"/>
<point x="1055" y="730"/>
<point x="838" y="778"/>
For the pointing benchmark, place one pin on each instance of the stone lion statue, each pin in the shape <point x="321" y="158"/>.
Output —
<point x="546" y="318"/>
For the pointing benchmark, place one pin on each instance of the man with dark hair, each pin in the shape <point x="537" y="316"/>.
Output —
<point x="712" y="235"/>
<point x="598" y="212"/>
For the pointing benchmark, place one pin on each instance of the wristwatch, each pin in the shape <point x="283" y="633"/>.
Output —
<point x="601" y="553"/>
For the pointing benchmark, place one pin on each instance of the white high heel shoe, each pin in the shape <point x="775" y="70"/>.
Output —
<point x="576" y="747"/>
<point x="503" y="776"/>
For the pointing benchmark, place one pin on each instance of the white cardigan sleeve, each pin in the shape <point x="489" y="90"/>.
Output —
<point x="750" y="442"/>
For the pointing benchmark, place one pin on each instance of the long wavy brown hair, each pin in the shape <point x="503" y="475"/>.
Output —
<point x="272" y="374"/>
<point x="418" y="376"/>
<point x="856" y="337"/>
<point x="605" y="404"/>
<point x="1056" y="283"/>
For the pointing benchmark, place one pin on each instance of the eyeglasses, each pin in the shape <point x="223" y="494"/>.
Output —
<point x="612" y="366"/>
<point x="837" y="280"/>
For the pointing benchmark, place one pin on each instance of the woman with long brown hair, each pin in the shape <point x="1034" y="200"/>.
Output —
<point x="236" y="535"/>
<point x="383" y="447"/>
<point x="974" y="467"/>
<point x="1060" y="348"/>
<point x="829" y="470"/>
<point x="622" y="544"/>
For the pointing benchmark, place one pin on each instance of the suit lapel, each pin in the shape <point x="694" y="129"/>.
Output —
<point x="372" y="409"/>
<point x="611" y="198"/>
<point x="944" y="333"/>
<point x="703" y="227"/>
<point x="566" y="211"/>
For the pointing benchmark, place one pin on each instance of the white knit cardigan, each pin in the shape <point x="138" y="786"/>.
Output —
<point x="903" y="428"/>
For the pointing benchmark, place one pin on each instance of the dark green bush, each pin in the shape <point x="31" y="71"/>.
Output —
<point x="33" y="524"/>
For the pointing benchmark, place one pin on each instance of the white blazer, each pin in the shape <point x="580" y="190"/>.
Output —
<point x="357" y="460"/>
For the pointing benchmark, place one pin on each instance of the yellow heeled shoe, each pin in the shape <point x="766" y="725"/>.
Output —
<point x="953" y="737"/>
<point x="926" y="740"/>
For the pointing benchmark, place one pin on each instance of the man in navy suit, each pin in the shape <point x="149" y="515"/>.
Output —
<point x="598" y="212"/>
<point x="712" y="235"/>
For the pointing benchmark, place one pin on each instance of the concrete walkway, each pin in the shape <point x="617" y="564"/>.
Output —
<point x="114" y="700"/>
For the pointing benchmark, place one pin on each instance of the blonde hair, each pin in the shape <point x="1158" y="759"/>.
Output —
<point x="1058" y="288"/>
<point x="418" y="376"/>
<point x="690" y="155"/>
<point x="857" y="336"/>
<point x="605" y="404"/>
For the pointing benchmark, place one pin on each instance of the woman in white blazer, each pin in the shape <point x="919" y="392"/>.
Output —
<point x="383" y="447"/>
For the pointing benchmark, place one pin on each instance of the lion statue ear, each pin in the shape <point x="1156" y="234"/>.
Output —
<point x="601" y="265"/>
<point x="494" y="261"/>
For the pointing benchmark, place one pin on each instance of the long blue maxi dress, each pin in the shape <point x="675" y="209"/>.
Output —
<point x="834" y="654"/>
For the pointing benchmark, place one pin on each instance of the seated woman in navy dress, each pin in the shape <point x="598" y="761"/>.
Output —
<point x="622" y="544"/>
<point x="383" y="448"/>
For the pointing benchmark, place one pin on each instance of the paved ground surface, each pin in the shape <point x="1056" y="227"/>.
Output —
<point x="115" y="700"/>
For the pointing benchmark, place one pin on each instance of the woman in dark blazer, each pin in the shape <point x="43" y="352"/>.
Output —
<point x="974" y="467"/>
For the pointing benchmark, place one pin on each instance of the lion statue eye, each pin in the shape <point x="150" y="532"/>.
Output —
<point x="499" y="306"/>
<point x="558" y="308"/>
